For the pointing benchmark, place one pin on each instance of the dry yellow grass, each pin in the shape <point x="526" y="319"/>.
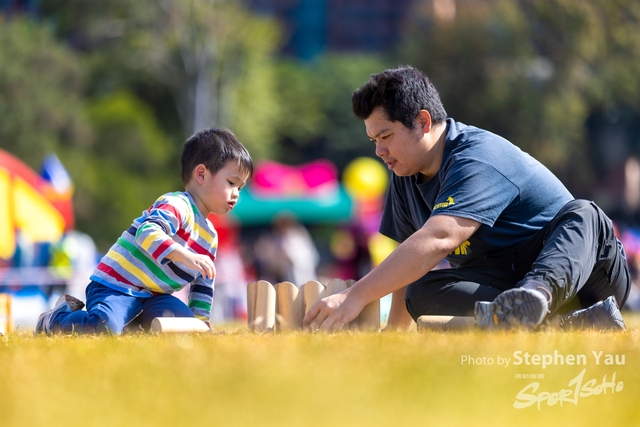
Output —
<point x="236" y="378"/>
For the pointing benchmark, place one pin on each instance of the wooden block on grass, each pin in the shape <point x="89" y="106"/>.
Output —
<point x="261" y="306"/>
<point x="289" y="306"/>
<point x="314" y="291"/>
<point x="335" y="286"/>
<point x="164" y="325"/>
<point x="445" y="323"/>
<point x="369" y="317"/>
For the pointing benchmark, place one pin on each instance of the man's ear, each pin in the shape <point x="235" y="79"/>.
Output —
<point x="199" y="173"/>
<point x="424" y="120"/>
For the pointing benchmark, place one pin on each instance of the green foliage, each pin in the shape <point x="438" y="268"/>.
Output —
<point x="215" y="58"/>
<point x="194" y="67"/>
<point x="41" y="99"/>
<point x="256" y="107"/>
<point x="533" y="71"/>
<point x="315" y="103"/>
<point x="132" y="164"/>
<point x="154" y="71"/>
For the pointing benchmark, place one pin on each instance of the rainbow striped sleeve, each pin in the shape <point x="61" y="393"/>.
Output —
<point x="162" y="221"/>
<point x="201" y="298"/>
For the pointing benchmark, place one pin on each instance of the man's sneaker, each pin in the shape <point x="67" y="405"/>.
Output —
<point x="602" y="315"/>
<point x="65" y="303"/>
<point x="517" y="307"/>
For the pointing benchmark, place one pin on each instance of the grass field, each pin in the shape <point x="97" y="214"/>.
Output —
<point x="237" y="378"/>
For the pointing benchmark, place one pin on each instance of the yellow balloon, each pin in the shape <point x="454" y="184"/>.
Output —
<point x="380" y="247"/>
<point x="365" y="178"/>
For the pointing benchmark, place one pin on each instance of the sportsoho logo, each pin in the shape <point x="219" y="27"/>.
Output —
<point x="577" y="388"/>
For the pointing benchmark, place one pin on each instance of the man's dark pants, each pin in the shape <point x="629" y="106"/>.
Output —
<point x="576" y="258"/>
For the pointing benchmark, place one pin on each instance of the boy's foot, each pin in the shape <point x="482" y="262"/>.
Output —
<point x="602" y="315"/>
<point x="64" y="303"/>
<point x="513" y="308"/>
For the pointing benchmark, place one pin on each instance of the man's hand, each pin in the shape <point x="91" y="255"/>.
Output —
<point x="333" y="312"/>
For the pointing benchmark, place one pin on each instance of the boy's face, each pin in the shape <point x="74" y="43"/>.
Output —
<point x="218" y="193"/>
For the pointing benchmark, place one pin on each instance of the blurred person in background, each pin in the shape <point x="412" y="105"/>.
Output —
<point x="287" y="253"/>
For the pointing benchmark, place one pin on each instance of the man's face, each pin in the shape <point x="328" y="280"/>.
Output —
<point x="401" y="148"/>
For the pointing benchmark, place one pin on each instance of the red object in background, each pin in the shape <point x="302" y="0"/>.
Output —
<point x="31" y="205"/>
<point x="315" y="178"/>
<point x="62" y="202"/>
<point x="227" y="230"/>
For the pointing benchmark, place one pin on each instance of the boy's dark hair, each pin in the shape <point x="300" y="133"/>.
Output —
<point x="214" y="148"/>
<point x="402" y="92"/>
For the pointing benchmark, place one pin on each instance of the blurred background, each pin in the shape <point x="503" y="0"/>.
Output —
<point x="96" y="99"/>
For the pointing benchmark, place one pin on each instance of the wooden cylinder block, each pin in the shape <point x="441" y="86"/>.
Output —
<point x="165" y="325"/>
<point x="314" y="291"/>
<point x="446" y="323"/>
<point x="289" y="306"/>
<point x="261" y="306"/>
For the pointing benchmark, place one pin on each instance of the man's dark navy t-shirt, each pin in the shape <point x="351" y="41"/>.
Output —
<point x="482" y="177"/>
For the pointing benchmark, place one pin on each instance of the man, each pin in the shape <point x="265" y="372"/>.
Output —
<point x="521" y="249"/>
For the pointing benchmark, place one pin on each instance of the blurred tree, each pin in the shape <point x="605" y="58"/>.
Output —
<point x="127" y="169"/>
<point x="215" y="57"/>
<point x="193" y="52"/>
<point x="315" y="104"/>
<point x="41" y="93"/>
<point x="532" y="71"/>
<point x="212" y="58"/>
<point x="157" y="71"/>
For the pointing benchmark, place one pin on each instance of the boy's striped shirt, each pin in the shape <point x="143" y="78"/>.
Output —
<point x="137" y="265"/>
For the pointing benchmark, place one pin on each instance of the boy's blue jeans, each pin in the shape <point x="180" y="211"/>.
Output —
<point x="110" y="311"/>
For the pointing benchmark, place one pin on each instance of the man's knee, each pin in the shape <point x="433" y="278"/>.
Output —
<point x="586" y="218"/>
<point x="579" y="207"/>
<point x="586" y="209"/>
<point x="579" y="204"/>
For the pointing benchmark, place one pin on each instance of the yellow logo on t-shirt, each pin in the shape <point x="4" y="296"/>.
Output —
<point x="444" y="204"/>
<point x="462" y="249"/>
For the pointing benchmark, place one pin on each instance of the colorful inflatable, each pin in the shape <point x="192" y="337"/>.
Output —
<point x="31" y="205"/>
<point x="311" y="192"/>
<point x="313" y="179"/>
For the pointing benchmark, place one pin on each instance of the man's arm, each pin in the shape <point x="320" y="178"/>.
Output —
<point x="411" y="260"/>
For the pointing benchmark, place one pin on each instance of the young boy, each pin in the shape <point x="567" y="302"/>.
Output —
<point x="170" y="246"/>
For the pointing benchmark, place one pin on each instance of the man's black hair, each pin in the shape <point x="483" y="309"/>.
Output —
<point x="402" y="92"/>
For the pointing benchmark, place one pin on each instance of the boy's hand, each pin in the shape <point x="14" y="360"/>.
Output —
<point x="201" y="263"/>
